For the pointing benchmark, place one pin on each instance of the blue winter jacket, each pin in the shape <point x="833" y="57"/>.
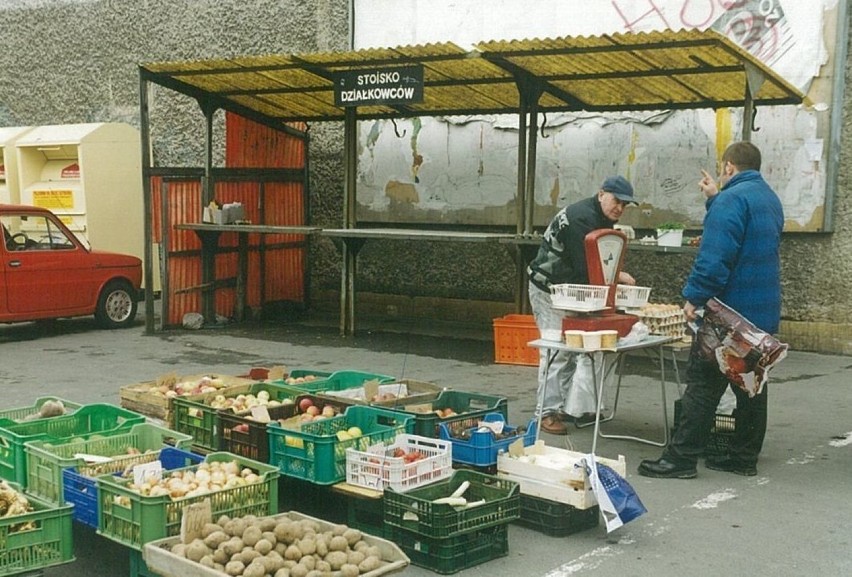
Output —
<point x="739" y="260"/>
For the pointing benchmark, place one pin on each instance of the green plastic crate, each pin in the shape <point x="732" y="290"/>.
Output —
<point x="47" y="459"/>
<point x="88" y="420"/>
<point x="48" y="543"/>
<point x="241" y="435"/>
<point x="554" y="518"/>
<point x="193" y="414"/>
<point x="22" y="413"/>
<point x="415" y="511"/>
<point x="315" y="453"/>
<point x="131" y="519"/>
<point x="469" y="409"/>
<point x="453" y="554"/>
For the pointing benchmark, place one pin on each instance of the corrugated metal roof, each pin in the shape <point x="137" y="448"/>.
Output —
<point x="642" y="71"/>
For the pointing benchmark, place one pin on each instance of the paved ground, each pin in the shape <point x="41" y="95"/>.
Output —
<point x="792" y="519"/>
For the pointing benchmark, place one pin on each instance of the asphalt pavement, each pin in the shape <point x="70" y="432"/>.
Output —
<point x="791" y="519"/>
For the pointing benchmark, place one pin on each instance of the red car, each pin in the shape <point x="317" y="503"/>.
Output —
<point x="48" y="273"/>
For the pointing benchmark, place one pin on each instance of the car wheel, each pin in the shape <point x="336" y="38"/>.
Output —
<point x="116" y="305"/>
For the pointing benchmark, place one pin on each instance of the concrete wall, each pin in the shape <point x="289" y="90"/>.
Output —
<point x="76" y="61"/>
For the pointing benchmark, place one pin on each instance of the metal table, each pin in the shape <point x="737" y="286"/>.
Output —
<point x="353" y="240"/>
<point x="609" y="360"/>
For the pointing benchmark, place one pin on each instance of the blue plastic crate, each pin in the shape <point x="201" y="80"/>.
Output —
<point x="82" y="491"/>
<point x="482" y="447"/>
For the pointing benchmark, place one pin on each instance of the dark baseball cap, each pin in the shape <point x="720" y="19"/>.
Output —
<point x="621" y="188"/>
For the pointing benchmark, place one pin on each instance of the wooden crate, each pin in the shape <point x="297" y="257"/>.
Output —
<point x="138" y="396"/>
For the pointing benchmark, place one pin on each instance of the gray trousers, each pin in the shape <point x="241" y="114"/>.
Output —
<point x="554" y="379"/>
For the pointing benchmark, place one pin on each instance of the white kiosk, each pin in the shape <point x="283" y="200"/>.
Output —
<point x="10" y="191"/>
<point x="89" y="175"/>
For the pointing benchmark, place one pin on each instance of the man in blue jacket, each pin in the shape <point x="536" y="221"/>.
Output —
<point x="738" y="263"/>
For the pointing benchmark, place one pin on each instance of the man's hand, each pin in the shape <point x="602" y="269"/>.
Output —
<point x="689" y="311"/>
<point x="625" y="278"/>
<point x="707" y="184"/>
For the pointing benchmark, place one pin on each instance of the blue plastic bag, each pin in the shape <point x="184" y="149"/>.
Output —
<point x="618" y="501"/>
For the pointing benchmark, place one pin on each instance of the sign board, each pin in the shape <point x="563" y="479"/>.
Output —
<point x="403" y="85"/>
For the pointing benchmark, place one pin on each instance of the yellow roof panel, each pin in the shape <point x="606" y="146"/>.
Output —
<point x="641" y="71"/>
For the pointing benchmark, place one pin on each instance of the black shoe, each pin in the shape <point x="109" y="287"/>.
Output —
<point x="664" y="469"/>
<point x="729" y="465"/>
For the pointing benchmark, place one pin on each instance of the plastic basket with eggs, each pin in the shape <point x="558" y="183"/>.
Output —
<point x="663" y="319"/>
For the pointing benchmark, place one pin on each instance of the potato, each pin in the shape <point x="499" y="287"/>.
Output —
<point x="338" y="543"/>
<point x="338" y="529"/>
<point x="323" y="566"/>
<point x="283" y="572"/>
<point x="352" y="536"/>
<point x="214" y="539"/>
<point x="252" y="535"/>
<point x="270" y="536"/>
<point x="207" y="561"/>
<point x="209" y="528"/>
<point x="307" y="546"/>
<point x="234" y="568"/>
<point x="232" y="546"/>
<point x="222" y="520"/>
<point x="256" y="569"/>
<point x="355" y="557"/>
<point x="349" y="570"/>
<point x="263" y="546"/>
<point x="273" y="562"/>
<point x="247" y="555"/>
<point x="287" y="531"/>
<point x="298" y="571"/>
<point x="219" y="556"/>
<point x="371" y="563"/>
<point x="268" y="524"/>
<point x="235" y="527"/>
<point x="293" y="553"/>
<point x="336" y="559"/>
<point x="309" y="561"/>
<point x="196" y="550"/>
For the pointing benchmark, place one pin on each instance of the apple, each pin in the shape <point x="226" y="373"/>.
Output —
<point x="328" y="411"/>
<point x="304" y="404"/>
<point x="312" y="410"/>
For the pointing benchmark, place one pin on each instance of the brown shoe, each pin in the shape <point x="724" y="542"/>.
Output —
<point x="553" y="424"/>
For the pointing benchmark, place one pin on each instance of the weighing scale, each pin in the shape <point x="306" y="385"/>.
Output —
<point x="604" y="257"/>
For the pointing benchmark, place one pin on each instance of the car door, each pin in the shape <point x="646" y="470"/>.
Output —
<point x="45" y="270"/>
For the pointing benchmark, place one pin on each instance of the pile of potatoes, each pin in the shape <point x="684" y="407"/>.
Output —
<point x="280" y="547"/>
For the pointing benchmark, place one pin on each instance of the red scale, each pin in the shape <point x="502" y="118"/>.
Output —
<point x="604" y="257"/>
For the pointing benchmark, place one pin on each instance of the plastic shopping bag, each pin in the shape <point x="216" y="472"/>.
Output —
<point x="618" y="501"/>
<point x="743" y="352"/>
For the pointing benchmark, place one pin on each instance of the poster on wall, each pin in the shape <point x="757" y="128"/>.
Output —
<point x="463" y="170"/>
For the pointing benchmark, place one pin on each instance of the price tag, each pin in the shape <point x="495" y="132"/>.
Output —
<point x="371" y="389"/>
<point x="144" y="472"/>
<point x="260" y="414"/>
<point x="194" y="518"/>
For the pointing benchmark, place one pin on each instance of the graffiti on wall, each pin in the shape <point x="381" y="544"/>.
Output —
<point x="464" y="170"/>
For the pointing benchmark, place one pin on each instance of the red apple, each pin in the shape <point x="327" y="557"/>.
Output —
<point x="304" y="404"/>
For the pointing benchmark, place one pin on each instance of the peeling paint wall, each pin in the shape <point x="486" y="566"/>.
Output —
<point x="460" y="169"/>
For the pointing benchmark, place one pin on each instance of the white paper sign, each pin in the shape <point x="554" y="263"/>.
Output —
<point x="152" y="471"/>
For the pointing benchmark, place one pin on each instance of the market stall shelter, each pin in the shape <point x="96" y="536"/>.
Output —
<point x="606" y="73"/>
